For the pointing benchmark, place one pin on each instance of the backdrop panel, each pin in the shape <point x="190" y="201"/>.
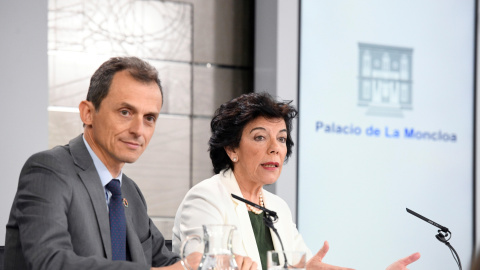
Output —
<point x="386" y="123"/>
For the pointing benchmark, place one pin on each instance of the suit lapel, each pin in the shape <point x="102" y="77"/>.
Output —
<point x="134" y="245"/>
<point x="89" y="176"/>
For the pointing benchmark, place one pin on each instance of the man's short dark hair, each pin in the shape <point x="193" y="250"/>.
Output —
<point x="103" y="76"/>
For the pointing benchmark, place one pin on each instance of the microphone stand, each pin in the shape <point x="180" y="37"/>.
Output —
<point x="443" y="236"/>
<point x="269" y="218"/>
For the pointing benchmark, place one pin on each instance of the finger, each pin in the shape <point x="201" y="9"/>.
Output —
<point x="193" y="260"/>
<point x="410" y="259"/>
<point x="246" y="263"/>
<point x="239" y="260"/>
<point x="333" y="267"/>
<point x="323" y="251"/>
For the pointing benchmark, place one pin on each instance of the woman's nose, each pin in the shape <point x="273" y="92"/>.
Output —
<point x="274" y="147"/>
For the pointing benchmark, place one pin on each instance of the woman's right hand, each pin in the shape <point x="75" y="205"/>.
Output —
<point x="245" y="263"/>
<point x="315" y="263"/>
<point x="193" y="260"/>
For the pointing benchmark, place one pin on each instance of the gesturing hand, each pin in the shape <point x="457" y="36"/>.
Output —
<point x="315" y="263"/>
<point x="402" y="263"/>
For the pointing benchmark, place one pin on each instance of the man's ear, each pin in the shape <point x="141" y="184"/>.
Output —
<point x="87" y="110"/>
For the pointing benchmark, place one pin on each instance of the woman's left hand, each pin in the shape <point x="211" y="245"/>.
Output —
<point x="315" y="263"/>
<point x="402" y="263"/>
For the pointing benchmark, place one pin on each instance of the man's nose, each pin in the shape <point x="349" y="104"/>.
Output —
<point x="137" y="126"/>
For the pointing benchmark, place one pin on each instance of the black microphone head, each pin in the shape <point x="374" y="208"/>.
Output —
<point x="441" y="238"/>
<point x="269" y="220"/>
<point x="272" y="217"/>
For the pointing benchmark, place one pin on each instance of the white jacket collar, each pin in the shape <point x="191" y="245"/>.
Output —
<point x="245" y="226"/>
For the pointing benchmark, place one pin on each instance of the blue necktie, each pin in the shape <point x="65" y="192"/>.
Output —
<point x="118" y="225"/>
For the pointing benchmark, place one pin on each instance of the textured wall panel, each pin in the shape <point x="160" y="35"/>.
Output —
<point x="176" y="79"/>
<point x="223" y="32"/>
<point x="214" y="86"/>
<point x="62" y="127"/>
<point x="147" y="29"/>
<point x="202" y="166"/>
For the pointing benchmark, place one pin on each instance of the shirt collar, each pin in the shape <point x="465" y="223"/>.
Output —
<point x="102" y="170"/>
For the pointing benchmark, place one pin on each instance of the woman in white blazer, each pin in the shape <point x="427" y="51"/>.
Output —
<point x="249" y="144"/>
<point x="210" y="202"/>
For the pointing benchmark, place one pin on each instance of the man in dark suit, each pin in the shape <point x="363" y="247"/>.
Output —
<point x="60" y="218"/>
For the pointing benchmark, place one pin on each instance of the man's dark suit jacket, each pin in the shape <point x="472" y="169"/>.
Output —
<point x="59" y="218"/>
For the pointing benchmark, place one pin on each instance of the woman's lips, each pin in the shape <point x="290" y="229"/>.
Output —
<point x="270" y="165"/>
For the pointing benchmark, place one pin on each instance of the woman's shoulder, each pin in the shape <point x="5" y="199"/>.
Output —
<point x="224" y="180"/>
<point x="210" y="189"/>
<point x="207" y="184"/>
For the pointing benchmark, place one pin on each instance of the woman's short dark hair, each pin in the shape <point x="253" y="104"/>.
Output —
<point x="230" y="119"/>
<point x="103" y="76"/>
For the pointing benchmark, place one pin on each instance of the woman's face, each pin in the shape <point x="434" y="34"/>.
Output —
<point x="261" y="152"/>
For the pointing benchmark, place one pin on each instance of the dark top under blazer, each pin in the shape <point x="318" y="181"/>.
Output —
<point x="59" y="217"/>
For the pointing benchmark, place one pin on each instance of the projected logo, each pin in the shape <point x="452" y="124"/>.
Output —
<point x="385" y="79"/>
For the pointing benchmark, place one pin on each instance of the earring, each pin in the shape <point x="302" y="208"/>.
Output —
<point x="235" y="159"/>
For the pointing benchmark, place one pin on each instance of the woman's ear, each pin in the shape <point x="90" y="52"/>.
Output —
<point x="231" y="153"/>
<point x="87" y="110"/>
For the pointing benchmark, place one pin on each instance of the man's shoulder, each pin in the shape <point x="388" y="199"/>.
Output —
<point x="55" y="155"/>
<point x="60" y="156"/>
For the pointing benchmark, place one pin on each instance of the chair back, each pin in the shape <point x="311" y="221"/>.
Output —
<point x="168" y="244"/>
<point x="2" y="250"/>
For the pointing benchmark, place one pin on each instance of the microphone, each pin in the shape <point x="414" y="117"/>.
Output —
<point x="442" y="235"/>
<point x="269" y="218"/>
<point x="271" y="213"/>
<point x="443" y="229"/>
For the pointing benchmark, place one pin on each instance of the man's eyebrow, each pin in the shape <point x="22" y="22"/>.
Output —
<point x="131" y="107"/>
<point x="128" y="105"/>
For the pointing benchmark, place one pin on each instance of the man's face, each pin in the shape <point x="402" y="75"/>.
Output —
<point x="124" y="124"/>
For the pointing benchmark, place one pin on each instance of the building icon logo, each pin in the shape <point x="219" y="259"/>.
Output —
<point x="385" y="79"/>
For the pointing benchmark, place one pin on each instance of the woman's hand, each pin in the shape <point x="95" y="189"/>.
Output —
<point x="193" y="260"/>
<point x="315" y="263"/>
<point x="402" y="263"/>
<point x="245" y="263"/>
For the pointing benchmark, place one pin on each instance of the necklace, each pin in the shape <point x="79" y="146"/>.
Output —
<point x="254" y="209"/>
